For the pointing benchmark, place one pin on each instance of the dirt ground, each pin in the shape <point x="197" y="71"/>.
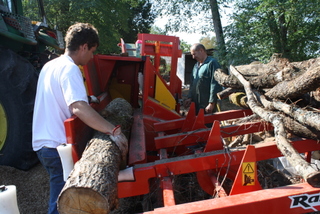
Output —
<point x="32" y="188"/>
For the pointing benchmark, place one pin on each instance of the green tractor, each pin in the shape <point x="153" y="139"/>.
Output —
<point x="25" y="46"/>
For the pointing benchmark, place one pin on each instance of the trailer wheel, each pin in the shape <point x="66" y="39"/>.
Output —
<point x="18" y="81"/>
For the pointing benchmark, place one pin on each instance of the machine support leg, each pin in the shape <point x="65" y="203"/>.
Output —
<point x="168" y="195"/>
<point x="247" y="176"/>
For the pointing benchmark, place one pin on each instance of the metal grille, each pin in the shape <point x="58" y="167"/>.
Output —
<point x="21" y="23"/>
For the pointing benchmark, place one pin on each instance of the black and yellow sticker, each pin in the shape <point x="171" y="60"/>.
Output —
<point x="248" y="173"/>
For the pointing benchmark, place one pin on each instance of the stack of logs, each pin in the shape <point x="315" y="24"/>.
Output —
<point x="286" y="94"/>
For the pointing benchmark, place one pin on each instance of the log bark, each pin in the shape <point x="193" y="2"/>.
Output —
<point x="239" y="99"/>
<point x="226" y="92"/>
<point x="316" y="94"/>
<point x="309" y="81"/>
<point x="92" y="185"/>
<point x="226" y="80"/>
<point x="267" y="75"/>
<point x="296" y="128"/>
<point x="302" y="116"/>
<point x="268" y="79"/>
<point x="311" y="175"/>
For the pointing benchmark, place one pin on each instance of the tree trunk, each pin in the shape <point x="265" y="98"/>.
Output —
<point x="92" y="185"/>
<point x="311" y="175"/>
<point x="218" y="28"/>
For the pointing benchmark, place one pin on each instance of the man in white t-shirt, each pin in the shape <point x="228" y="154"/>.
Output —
<point x="60" y="94"/>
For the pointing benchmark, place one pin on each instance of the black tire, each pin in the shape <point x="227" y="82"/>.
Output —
<point x="18" y="82"/>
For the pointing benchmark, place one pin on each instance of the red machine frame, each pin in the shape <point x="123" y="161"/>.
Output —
<point x="160" y="138"/>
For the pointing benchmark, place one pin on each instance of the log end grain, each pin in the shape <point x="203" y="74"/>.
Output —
<point x="82" y="200"/>
<point x="314" y="179"/>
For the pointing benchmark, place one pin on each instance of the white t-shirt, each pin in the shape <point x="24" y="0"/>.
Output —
<point x="60" y="84"/>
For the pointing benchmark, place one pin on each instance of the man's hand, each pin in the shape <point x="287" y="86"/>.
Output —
<point x="122" y="144"/>
<point x="210" y="108"/>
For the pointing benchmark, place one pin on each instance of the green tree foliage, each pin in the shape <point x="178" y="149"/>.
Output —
<point x="184" y="46"/>
<point x="208" y="42"/>
<point x="158" y="30"/>
<point x="263" y="27"/>
<point x="139" y="21"/>
<point x="114" y="19"/>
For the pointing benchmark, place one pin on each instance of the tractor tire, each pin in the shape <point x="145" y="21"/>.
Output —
<point x="18" y="83"/>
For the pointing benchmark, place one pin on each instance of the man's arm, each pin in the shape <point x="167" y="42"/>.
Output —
<point x="93" y="119"/>
<point x="90" y="117"/>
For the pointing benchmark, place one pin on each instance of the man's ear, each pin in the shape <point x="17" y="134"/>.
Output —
<point x="83" y="47"/>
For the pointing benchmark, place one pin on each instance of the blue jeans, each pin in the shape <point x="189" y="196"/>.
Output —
<point x="50" y="159"/>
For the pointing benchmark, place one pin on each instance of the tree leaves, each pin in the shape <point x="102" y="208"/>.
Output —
<point x="113" y="18"/>
<point x="264" y="27"/>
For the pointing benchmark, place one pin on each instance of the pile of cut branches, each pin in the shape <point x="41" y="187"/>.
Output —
<point x="285" y="94"/>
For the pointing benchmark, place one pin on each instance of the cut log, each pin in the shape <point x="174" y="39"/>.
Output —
<point x="262" y="76"/>
<point x="316" y="94"/>
<point x="237" y="141"/>
<point x="311" y="175"/>
<point x="309" y="81"/>
<point x="92" y="185"/>
<point x="226" y="80"/>
<point x="303" y="116"/>
<point x="296" y="128"/>
<point x="239" y="99"/>
<point x="226" y="92"/>
<point x="265" y="80"/>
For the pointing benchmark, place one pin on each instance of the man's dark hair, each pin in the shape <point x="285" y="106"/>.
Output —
<point x="80" y="34"/>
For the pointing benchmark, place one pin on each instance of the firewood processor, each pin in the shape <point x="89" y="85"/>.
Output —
<point x="165" y="143"/>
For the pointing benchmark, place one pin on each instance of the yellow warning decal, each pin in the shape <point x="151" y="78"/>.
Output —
<point x="248" y="173"/>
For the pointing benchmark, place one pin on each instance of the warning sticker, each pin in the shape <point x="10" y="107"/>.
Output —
<point x="248" y="173"/>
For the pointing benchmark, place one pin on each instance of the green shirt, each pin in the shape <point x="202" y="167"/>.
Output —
<point x="203" y="87"/>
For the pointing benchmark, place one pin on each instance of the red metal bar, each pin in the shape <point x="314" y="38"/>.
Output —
<point x="308" y="156"/>
<point x="137" y="144"/>
<point x="148" y="48"/>
<point x="149" y="81"/>
<point x="293" y="199"/>
<point x="193" y="137"/>
<point x="166" y="182"/>
<point x="141" y="184"/>
<point x="220" y="116"/>
<point x="167" y="189"/>
<point x="201" y="162"/>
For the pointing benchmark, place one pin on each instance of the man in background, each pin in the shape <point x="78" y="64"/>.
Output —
<point x="203" y="87"/>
